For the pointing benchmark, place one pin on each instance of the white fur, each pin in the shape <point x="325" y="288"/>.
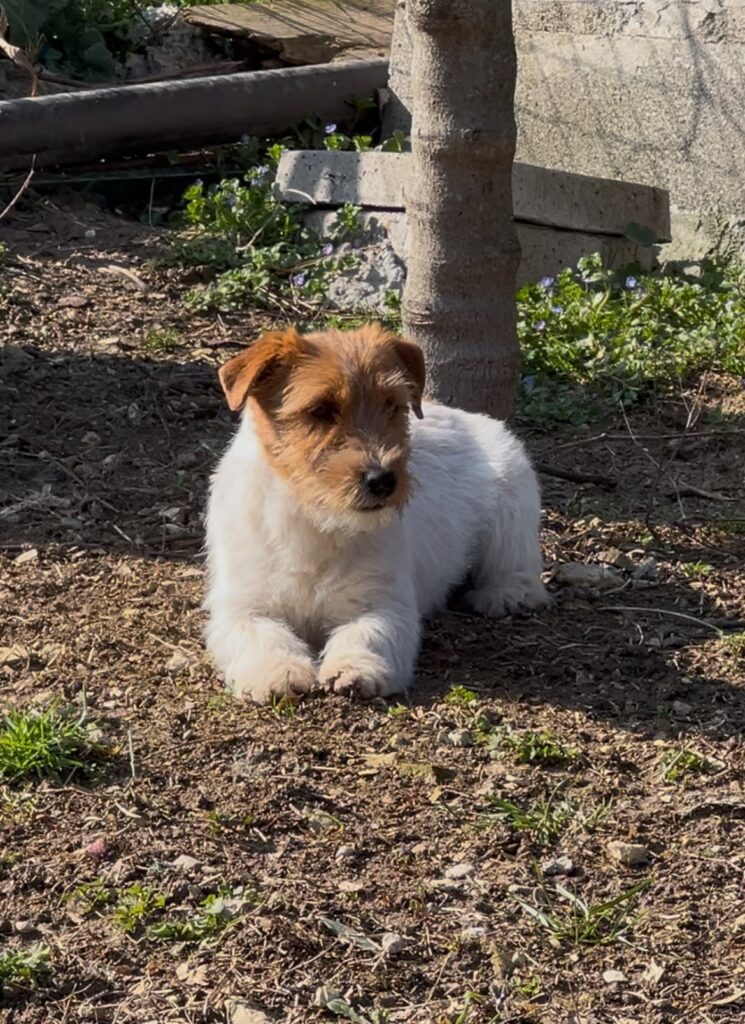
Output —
<point x="296" y="603"/>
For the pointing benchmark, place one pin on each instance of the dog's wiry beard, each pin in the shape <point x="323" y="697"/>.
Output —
<point x="351" y="523"/>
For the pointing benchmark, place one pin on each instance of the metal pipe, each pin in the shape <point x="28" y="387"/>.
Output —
<point x="71" y="127"/>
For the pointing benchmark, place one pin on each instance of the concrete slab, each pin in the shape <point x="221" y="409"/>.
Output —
<point x="541" y="196"/>
<point x="544" y="250"/>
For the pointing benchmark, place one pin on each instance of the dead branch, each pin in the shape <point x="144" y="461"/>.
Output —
<point x="607" y="482"/>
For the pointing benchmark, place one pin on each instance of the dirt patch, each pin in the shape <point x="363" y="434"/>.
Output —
<point x="374" y="817"/>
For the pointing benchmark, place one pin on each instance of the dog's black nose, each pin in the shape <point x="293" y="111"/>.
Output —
<point x="379" y="482"/>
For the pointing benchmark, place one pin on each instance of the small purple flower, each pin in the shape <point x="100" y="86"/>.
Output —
<point x="298" y="280"/>
<point x="199" y="183"/>
<point x="631" y="283"/>
<point x="539" y="325"/>
<point x="558" y="310"/>
<point x="245" y="138"/>
<point x="330" y="128"/>
<point x="257" y="173"/>
<point x="230" y="202"/>
<point x="328" y="248"/>
<point x="546" y="282"/>
<point x="528" y="384"/>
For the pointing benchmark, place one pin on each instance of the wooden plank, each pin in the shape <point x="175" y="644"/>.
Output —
<point x="304" y="31"/>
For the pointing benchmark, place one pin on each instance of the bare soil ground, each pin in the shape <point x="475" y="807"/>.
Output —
<point x="339" y="811"/>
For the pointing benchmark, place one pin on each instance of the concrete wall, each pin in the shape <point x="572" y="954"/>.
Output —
<point x="642" y="90"/>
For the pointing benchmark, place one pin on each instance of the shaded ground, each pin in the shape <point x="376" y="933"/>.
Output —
<point x="341" y="811"/>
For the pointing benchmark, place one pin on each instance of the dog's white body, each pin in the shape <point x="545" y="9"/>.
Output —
<point x="294" y="604"/>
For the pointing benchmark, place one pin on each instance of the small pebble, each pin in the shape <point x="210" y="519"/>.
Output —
<point x="32" y="555"/>
<point x="24" y="928"/>
<point x="177" y="664"/>
<point x="392" y="943"/>
<point x="98" y="848"/>
<point x="185" y="863"/>
<point x="632" y="855"/>
<point x="577" y="574"/>
<point x="560" y="866"/>
<point x="613" y="977"/>
<point x="460" y="738"/>
<point x="345" y="853"/>
<point x="242" y="1013"/>
<point x="456" y="871"/>
<point x="112" y="462"/>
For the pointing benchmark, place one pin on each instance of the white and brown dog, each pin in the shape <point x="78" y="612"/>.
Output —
<point x="336" y="521"/>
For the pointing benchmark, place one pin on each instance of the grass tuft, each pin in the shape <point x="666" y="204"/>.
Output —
<point x="544" y="820"/>
<point x="37" y="744"/>
<point x="576" y="922"/>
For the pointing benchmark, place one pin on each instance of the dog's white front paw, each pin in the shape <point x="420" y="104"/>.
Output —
<point x="357" y="674"/>
<point x="260" y="681"/>
<point x="517" y="592"/>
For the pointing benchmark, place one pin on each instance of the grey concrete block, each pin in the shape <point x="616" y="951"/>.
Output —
<point x="382" y="247"/>
<point x="540" y="195"/>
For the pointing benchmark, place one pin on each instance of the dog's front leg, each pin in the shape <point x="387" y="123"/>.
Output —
<point x="260" y="657"/>
<point x="373" y="655"/>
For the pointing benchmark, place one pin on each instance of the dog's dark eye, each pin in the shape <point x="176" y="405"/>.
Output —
<point x="325" y="412"/>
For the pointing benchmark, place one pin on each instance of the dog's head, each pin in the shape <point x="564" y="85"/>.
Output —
<point x="332" y="413"/>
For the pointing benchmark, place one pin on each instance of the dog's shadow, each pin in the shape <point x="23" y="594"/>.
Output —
<point x="107" y="452"/>
<point x="618" y="668"/>
<point x="113" y="453"/>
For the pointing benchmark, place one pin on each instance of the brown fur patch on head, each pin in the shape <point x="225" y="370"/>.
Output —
<point x="331" y="410"/>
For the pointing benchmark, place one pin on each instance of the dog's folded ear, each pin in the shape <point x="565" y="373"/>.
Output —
<point x="412" y="359"/>
<point x="257" y="372"/>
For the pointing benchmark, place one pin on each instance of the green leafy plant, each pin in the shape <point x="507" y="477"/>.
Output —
<point x="735" y="644"/>
<point x="88" y="38"/>
<point x="24" y="967"/>
<point x="211" y="919"/>
<point x="573" y="920"/>
<point x="46" y="744"/>
<point x="679" y="763"/>
<point x="695" y="570"/>
<point x="460" y="698"/>
<point x="539" y="748"/>
<point x="591" y="337"/>
<point x="528" y="986"/>
<point x="161" y="339"/>
<point x="91" y="895"/>
<point x="134" y="905"/>
<point x="256" y="248"/>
